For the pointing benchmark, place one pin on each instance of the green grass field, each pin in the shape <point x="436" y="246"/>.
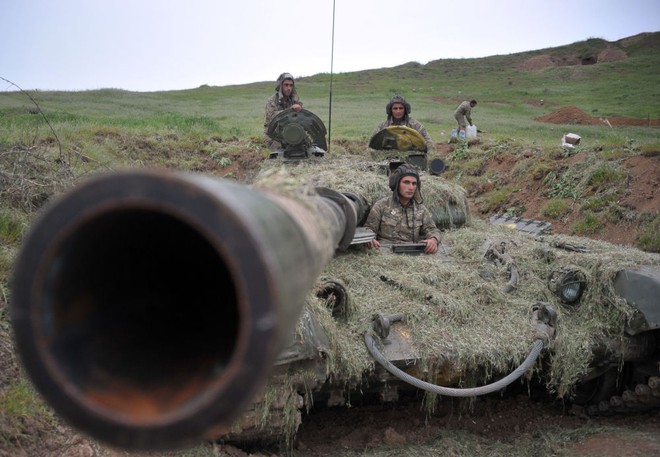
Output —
<point x="624" y="88"/>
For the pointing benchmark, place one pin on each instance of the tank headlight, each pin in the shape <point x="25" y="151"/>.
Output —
<point x="568" y="284"/>
<point x="336" y="298"/>
<point x="571" y="291"/>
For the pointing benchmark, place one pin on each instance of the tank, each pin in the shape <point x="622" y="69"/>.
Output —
<point x="155" y="309"/>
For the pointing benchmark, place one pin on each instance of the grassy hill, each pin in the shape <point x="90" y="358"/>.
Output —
<point x="604" y="187"/>
<point x="503" y="86"/>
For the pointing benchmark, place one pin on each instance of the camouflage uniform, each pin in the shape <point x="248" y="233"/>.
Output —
<point x="276" y="103"/>
<point x="462" y="112"/>
<point x="413" y="124"/>
<point x="395" y="224"/>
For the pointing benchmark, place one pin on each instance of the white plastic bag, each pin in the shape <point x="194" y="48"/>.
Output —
<point x="471" y="131"/>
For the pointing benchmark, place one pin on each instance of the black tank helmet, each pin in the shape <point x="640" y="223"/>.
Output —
<point x="402" y="170"/>
<point x="398" y="99"/>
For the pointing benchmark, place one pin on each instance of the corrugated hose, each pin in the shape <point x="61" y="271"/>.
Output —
<point x="449" y="391"/>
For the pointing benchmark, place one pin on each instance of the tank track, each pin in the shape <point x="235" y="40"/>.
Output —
<point x="643" y="397"/>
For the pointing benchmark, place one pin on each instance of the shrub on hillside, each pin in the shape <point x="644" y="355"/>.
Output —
<point x="648" y="238"/>
<point x="555" y="208"/>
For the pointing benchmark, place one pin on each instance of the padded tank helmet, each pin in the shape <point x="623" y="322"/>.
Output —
<point x="283" y="77"/>
<point x="398" y="174"/>
<point x="398" y="99"/>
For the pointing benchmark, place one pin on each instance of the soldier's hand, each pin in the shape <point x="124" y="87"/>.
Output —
<point x="431" y="246"/>
<point x="374" y="244"/>
<point x="297" y="107"/>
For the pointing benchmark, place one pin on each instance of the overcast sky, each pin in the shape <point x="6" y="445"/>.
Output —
<point x="149" y="45"/>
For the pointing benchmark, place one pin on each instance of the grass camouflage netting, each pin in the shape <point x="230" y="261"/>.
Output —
<point x="459" y="317"/>
<point x="369" y="179"/>
<point x="455" y="308"/>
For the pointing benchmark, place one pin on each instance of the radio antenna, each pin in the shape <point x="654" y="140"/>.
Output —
<point x="332" y="56"/>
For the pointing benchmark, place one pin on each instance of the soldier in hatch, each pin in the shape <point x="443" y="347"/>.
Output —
<point x="401" y="217"/>
<point x="285" y="96"/>
<point x="398" y="113"/>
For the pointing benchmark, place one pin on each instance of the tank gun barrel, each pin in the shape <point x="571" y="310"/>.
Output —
<point x="149" y="306"/>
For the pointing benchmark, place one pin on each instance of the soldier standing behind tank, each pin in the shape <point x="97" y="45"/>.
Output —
<point x="398" y="113"/>
<point x="402" y="217"/>
<point x="285" y="96"/>
<point x="463" y="112"/>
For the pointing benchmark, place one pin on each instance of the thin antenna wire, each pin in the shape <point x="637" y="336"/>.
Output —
<point x="59" y="144"/>
<point x="332" y="57"/>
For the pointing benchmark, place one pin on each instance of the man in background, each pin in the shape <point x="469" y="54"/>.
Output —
<point x="285" y="97"/>
<point x="463" y="112"/>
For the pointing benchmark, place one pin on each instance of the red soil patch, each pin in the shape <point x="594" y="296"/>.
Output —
<point x="641" y="196"/>
<point x="544" y="61"/>
<point x="574" y="115"/>
<point x="644" y="185"/>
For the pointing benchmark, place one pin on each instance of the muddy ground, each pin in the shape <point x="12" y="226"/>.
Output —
<point x="509" y="426"/>
<point x="492" y="419"/>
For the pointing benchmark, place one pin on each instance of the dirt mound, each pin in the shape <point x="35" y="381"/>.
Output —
<point x="568" y="115"/>
<point x="537" y="63"/>
<point x="574" y="115"/>
<point x="612" y="55"/>
<point x="644" y="185"/>
<point x="543" y="61"/>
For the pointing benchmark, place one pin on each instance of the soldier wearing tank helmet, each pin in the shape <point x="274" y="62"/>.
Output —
<point x="285" y="96"/>
<point x="398" y="113"/>
<point x="402" y="217"/>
